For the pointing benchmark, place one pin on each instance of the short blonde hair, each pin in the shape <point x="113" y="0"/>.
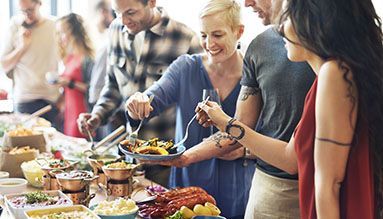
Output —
<point x="230" y="9"/>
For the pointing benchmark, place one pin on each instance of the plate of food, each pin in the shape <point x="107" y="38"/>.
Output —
<point x="153" y="149"/>
<point x="119" y="208"/>
<point x="21" y="202"/>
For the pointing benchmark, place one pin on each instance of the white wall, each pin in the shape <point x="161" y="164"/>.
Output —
<point x="378" y="4"/>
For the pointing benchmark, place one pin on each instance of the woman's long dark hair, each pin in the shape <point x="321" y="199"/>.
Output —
<point x="349" y="31"/>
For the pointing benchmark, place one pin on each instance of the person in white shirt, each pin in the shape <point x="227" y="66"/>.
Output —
<point x="30" y="51"/>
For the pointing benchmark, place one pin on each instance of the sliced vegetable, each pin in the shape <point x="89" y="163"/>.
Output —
<point x="151" y="150"/>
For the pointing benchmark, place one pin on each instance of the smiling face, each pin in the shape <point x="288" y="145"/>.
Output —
<point x="218" y="39"/>
<point x="263" y="8"/>
<point x="134" y="14"/>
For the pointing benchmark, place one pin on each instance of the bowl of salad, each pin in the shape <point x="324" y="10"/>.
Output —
<point x="19" y="203"/>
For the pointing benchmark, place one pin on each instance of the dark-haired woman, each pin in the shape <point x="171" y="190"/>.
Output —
<point x="337" y="146"/>
<point x="77" y="54"/>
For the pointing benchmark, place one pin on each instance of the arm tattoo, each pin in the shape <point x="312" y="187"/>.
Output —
<point x="221" y="136"/>
<point x="247" y="91"/>
<point x="333" y="141"/>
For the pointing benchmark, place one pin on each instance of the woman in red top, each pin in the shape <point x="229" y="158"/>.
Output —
<point x="76" y="53"/>
<point x="337" y="148"/>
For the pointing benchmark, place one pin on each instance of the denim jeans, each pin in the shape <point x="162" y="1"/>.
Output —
<point x="33" y="106"/>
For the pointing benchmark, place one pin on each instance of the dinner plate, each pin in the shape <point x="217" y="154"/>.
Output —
<point x="153" y="157"/>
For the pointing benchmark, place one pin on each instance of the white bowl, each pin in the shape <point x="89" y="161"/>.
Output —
<point x="4" y="174"/>
<point x="12" y="185"/>
<point x="19" y="213"/>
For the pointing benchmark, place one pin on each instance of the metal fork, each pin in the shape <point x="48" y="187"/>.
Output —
<point x="133" y="136"/>
<point x="187" y="127"/>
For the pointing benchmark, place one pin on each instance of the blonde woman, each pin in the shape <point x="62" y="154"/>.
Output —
<point x="219" y="67"/>
<point x="77" y="55"/>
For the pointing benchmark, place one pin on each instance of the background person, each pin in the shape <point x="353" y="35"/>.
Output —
<point x="105" y="16"/>
<point x="76" y="52"/>
<point x="29" y="52"/>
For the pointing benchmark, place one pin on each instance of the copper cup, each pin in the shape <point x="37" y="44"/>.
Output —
<point x="75" y="184"/>
<point x="120" y="174"/>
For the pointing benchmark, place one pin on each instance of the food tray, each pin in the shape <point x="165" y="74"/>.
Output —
<point x="19" y="212"/>
<point x="42" y="212"/>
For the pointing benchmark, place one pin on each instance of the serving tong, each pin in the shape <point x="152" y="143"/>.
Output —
<point x="36" y="114"/>
<point x="119" y="133"/>
<point x="115" y="142"/>
<point x="109" y="137"/>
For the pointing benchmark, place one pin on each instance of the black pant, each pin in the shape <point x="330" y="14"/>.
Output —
<point x="33" y="106"/>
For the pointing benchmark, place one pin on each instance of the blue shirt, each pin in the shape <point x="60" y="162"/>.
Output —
<point x="227" y="181"/>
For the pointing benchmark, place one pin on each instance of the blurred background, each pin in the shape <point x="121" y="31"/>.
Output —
<point x="185" y="11"/>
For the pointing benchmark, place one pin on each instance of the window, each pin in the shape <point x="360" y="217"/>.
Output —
<point x="63" y="7"/>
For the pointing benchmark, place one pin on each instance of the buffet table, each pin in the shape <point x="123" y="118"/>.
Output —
<point x="138" y="194"/>
<point x="70" y="153"/>
<point x="70" y="149"/>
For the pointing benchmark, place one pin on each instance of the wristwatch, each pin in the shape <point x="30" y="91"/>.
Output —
<point x="235" y="131"/>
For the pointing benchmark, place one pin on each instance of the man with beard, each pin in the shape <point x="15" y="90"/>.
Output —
<point x="144" y="40"/>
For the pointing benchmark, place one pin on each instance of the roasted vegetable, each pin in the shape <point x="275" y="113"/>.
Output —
<point x="155" y="142"/>
<point x="151" y="150"/>
<point x="152" y="146"/>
